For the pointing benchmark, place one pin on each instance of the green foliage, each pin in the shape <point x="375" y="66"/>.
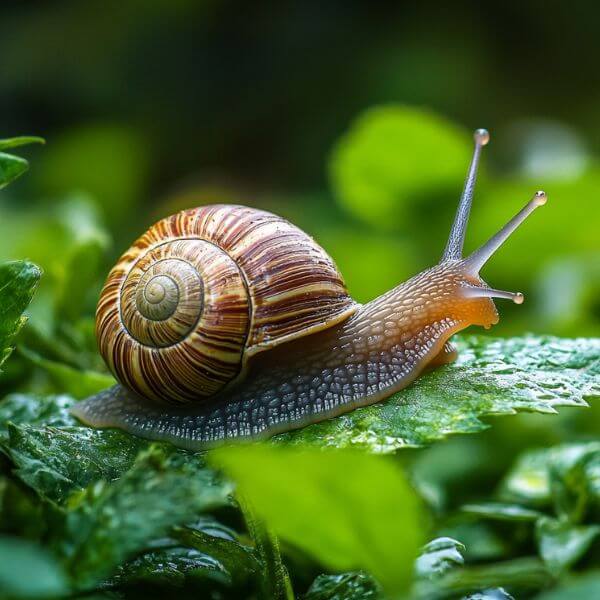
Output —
<point x="108" y="522"/>
<point x="106" y="160"/>
<point x="350" y="526"/>
<point x="26" y="571"/>
<point x="392" y="156"/>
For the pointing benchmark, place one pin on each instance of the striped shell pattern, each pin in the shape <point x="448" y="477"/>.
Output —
<point x="203" y="290"/>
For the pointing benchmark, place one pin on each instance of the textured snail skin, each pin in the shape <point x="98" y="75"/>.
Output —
<point x="377" y="351"/>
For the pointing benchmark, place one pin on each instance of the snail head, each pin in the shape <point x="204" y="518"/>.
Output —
<point x="465" y="295"/>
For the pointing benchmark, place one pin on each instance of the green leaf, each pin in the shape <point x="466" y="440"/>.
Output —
<point x="222" y="544"/>
<point x="75" y="382"/>
<point x="347" y="586"/>
<point x="501" y="511"/>
<point x="18" y="282"/>
<point x="564" y="476"/>
<point x="11" y="167"/>
<point x="195" y="560"/>
<point x="29" y="409"/>
<point x="561" y="544"/>
<point x="439" y="556"/>
<point x="23" y="140"/>
<point x="110" y="522"/>
<point x="58" y="461"/>
<point x="522" y="574"/>
<point x="491" y="377"/>
<point x="336" y="517"/>
<point x="393" y="156"/>
<point x="576" y="588"/>
<point x="184" y="569"/>
<point x="27" y="571"/>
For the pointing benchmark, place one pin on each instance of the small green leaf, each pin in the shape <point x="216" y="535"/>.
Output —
<point x="184" y="569"/>
<point x="11" y="167"/>
<point x="491" y="377"/>
<point x="501" y="511"/>
<point x="561" y="544"/>
<point x="27" y="571"/>
<point x="18" y="282"/>
<point x="337" y="517"/>
<point x="391" y="157"/>
<point x="23" y="140"/>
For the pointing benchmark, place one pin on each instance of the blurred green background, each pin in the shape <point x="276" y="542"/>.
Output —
<point x="352" y="119"/>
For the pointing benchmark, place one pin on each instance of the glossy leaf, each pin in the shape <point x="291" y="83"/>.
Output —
<point x="564" y="477"/>
<point x="58" y="461"/>
<point x="110" y="522"/>
<point x="30" y="409"/>
<point x="347" y="586"/>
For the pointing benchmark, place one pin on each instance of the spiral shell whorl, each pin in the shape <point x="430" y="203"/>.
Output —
<point x="203" y="290"/>
<point x="178" y="328"/>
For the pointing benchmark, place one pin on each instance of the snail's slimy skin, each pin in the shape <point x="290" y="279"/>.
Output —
<point x="378" y="351"/>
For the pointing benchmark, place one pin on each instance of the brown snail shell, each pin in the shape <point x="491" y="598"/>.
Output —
<point x="203" y="290"/>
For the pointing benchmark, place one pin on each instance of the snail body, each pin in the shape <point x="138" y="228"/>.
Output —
<point x="225" y="322"/>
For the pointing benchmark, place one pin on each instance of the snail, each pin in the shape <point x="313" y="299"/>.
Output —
<point x="225" y="322"/>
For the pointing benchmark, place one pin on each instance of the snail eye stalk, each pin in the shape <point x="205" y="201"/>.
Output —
<point x="477" y="259"/>
<point x="456" y="239"/>
<point x="481" y="292"/>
